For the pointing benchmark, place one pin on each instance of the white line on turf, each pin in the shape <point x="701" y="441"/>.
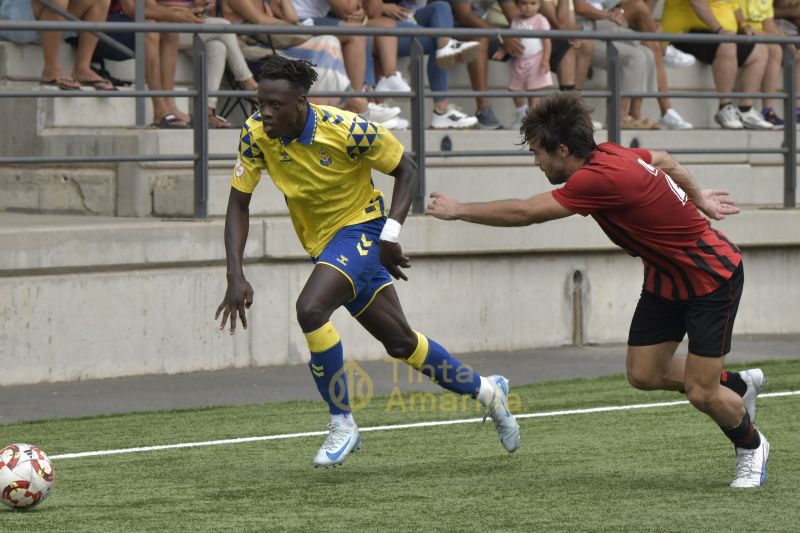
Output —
<point x="388" y="428"/>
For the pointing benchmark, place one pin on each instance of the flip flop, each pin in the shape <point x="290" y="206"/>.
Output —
<point x="99" y="85"/>
<point x="171" y="122"/>
<point x="64" y="84"/>
<point x="216" y="121"/>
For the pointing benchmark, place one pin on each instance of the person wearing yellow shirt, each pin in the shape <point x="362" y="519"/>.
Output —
<point x="725" y="18"/>
<point x="760" y="15"/>
<point x="321" y="158"/>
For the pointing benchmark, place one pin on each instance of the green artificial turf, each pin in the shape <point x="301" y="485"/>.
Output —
<point x="656" y="469"/>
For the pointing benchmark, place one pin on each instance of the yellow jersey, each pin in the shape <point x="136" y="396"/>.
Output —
<point x="679" y="17"/>
<point x="755" y="12"/>
<point x="325" y="173"/>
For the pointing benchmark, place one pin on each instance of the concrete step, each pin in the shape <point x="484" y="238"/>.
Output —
<point x="24" y="62"/>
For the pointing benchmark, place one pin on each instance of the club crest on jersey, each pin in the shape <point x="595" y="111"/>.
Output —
<point x="284" y="156"/>
<point x="325" y="158"/>
<point x="342" y="259"/>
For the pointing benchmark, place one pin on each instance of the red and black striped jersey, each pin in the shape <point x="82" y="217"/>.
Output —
<point x="644" y="212"/>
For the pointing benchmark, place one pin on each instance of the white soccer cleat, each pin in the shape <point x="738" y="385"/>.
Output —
<point x="751" y="465"/>
<point x="340" y="442"/>
<point x="504" y="422"/>
<point x="755" y="380"/>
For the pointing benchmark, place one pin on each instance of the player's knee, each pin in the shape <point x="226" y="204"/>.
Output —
<point x="700" y="397"/>
<point x="401" y="348"/>
<point x="639" y="378"/>
<point x="310" y="315"/>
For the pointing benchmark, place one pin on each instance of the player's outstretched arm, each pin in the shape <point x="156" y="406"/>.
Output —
<point x="536" y="209"/>
<point x="714" y="203"/>
<point x="239" y="294"/>
<point x="406" y="178"/>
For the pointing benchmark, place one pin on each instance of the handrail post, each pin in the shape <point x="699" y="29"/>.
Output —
<point x="789" y="131"/>
<point x="418" y="120"/>
<point x="613" y="103"/>
<point x="139" y="67"/>
<point x="200" y="123"/>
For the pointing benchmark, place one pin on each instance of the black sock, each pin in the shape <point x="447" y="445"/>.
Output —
<point x="734" y="381"/>
<point x="745" y="108"/>
<point x="566" y="87"/>
<point x="743" y="434"/>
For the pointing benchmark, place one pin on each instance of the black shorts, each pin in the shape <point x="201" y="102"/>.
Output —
<point x="560" y="47"/>
<point x="708" y="319"/>
<point x="706" y="52"/>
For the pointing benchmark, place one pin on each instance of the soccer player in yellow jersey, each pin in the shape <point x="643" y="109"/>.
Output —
<point x="321" y="158"/>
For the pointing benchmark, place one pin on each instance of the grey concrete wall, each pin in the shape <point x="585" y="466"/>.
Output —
<point x="121" y="298"/>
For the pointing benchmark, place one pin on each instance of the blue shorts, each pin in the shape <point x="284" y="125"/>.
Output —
<point x="355" y="252"/>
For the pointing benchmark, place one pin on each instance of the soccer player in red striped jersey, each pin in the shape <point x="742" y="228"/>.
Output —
<point x="650" y="206"/>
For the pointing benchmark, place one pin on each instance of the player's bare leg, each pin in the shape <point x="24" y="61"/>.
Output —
<point x="385" y="320"/>
<point x="655" y="367"/>
<point x="727" y="409"/>
<point x="658" y="367"/>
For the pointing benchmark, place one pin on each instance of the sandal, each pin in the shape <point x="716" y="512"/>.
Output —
<point x="64" y="84"/>
<point x="216" y="121"/>
<point x="99" y="85"/>
<point x="171" y="122"/>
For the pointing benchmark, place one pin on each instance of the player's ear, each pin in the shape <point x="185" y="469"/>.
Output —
<point x="301" y="101"/>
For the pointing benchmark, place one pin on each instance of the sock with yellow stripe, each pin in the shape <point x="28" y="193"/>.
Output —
<point x="434" y="361"/>
<point x="327" y="368"/>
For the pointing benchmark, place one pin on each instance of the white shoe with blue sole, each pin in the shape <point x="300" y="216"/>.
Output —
<point x="340" y="442"/>
<point x="504" y="422"/>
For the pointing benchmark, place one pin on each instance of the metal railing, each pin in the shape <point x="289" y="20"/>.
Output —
<point x="199" y="95"/>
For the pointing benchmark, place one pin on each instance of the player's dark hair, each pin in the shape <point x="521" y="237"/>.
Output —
<point x="562" y="118"/>
<point x="298" y="72"/>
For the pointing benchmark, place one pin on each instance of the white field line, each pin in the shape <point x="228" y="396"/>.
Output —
<point x="388" y="428"/>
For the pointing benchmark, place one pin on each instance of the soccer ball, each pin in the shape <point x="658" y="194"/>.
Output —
<point x="26" y="476"/>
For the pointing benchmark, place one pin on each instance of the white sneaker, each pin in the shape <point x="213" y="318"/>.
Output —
<point x="337" y="446"/>
<point x="380" y="113"/>
<point x="729" y="118"/>
<point x="751" y="465"/>
<point x="677" y="58"/>
<point x="671" y="120"/>
<point x="455" y="52"/>
<point x="396" y="123"/>
<point x="392" y="84"/>
<point x="755" y="380"/>
<point x="453" y="118"/>
<point x="504" y="422"/>
<point x="753" y="120"/>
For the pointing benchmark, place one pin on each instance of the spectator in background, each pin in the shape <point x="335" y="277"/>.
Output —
<point x="637" y="62"/>
<point x="759" y="15"/>
<point x="639" y="17"/>
<point x="53" y="73"/>
<point x="443" y="53"/>
<point x="324" y="51"/>
<point x="708" y="16"/>
<point x="221" y="49"/>
<point x="570" y="58"/>
<point x="161" y="55"/>
<point x="530" y="71"/>
<point x="469" y="14"/>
